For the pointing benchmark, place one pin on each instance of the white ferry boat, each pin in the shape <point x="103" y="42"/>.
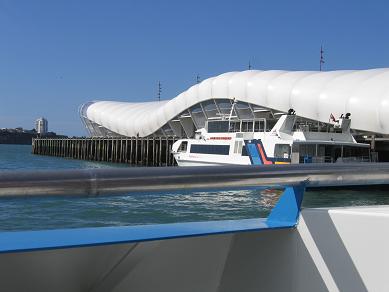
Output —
<point x="242" y="142"/>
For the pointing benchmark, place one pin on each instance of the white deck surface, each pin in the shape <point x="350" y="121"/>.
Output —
<point x="336" y="249"/>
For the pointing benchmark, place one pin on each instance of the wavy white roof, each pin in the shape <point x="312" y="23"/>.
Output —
<point x="313" y="95"/>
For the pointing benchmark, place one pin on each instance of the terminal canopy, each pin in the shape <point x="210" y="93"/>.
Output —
<point x="248" y="96"/>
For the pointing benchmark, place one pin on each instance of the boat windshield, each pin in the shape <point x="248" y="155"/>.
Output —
<point x="183" y="146"/>
<point x="218" y="126"/>
<point x="233" y="126"/>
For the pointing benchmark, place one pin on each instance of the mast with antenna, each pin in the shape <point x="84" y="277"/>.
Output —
<point x="159" y="91"/>
<point x="321" y="58"/>
<point x="198" y="79"/>
<point x="250" y="65"/>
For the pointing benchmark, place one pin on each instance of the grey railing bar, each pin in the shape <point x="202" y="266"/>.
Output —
<point x="92" y="182"/>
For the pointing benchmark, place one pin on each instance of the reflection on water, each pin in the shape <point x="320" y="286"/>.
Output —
<point x="43" y="213"/>
<point x="134" y="209"/>
<point x="346" y="197"/>
<point x="19" y="157"/>
<point x="269" y="197"/>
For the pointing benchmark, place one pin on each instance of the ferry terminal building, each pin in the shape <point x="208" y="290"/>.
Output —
<point x="253" y="100"/>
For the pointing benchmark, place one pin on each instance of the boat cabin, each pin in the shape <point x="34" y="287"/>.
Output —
<point x="289" y="140"/>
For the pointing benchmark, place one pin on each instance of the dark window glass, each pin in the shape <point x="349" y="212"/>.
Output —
<point x="210" y="149"/>
<point x="218" y="127"/>
<point x="282" y="151"/>
<point x="244" y="151"/>
<point x="183" y="146"/>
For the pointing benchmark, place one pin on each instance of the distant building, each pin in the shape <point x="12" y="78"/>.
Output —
<point x="41" y="126"/>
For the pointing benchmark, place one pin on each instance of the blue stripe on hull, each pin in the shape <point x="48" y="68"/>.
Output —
<point x="254" y="155"/>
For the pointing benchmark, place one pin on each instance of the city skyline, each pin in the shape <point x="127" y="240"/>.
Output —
<point x="57" y="55"/>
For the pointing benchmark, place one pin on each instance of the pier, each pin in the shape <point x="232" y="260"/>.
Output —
<point x="130" y="150"/>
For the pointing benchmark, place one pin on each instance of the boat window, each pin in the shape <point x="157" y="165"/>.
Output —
<point x="218" y="126"/>
<point x="259" y="126"/>
<point x="321" y="150"/>
<point x="247" y="126"/>
<point x="238" y="147"/>
<point x="282" y="151"/>
<point x="244" y="151"/>
<point x="356" y="154"/>
<point x="183" y="147"/>
<point x="234" y="127"/>
<point x="210" y="149"/>
<point x="308" y="150"/>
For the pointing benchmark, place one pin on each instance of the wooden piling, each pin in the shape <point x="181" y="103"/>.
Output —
<point x="149" y="151"/>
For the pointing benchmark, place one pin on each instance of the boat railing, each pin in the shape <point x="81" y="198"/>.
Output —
<point x="354" y="159"/>
<point x="322" y="159"/>
<point x="223" y="253"/>
<point x="329" y="159"/>
<point x="95" y="182"/>
<point x="316" y="159"/>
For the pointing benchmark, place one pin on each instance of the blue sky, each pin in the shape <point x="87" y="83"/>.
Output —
<point x="55" y="55"/>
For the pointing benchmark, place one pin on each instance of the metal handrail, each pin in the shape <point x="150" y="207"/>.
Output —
<point x="93" y="182"/>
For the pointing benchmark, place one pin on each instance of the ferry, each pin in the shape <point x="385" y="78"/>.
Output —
<point x="240" y="142"/>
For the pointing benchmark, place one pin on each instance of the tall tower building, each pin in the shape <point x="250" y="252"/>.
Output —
<point x="41" y="126"/>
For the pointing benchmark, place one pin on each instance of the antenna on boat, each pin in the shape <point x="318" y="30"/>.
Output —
<point x="321" y="57"/>
<point x="232" y="109"/>
<point x="250" y="65"/>
<point x="159" y="91"/>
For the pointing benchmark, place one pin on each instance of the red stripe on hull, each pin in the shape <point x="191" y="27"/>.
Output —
<point x="263" y="156"/>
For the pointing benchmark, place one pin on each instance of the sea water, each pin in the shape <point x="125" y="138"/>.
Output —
<point x="134" y="209"/>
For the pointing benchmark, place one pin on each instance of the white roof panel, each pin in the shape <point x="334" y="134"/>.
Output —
<point x="313" y="95"/>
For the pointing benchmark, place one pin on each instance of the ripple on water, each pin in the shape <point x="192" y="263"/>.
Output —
<point x="134" y="209"/>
